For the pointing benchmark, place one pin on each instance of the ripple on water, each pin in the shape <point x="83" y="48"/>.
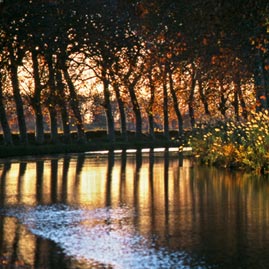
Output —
<point x="104" y="235"/>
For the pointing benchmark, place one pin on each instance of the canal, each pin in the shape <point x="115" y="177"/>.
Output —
<point x="130" y="210"/>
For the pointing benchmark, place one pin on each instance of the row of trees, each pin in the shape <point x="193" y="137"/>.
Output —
<point x="160" y="62"/>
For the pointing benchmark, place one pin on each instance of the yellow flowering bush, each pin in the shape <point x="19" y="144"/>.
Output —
<point x="235" y="144"/>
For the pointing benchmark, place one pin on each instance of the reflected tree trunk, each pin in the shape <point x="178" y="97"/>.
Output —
<point x="54" y="180"/>
<point x="110" y="165"/>
<point x="66" y="165"/>
<point x="180" y="159"/>
<point x="151" y="176"/>
<point x="151" y="189"/>
<point x="166" y="190"/>
<point x="2" y="242"/>
<point x="38" y="261"/>
<point x="123" y="176"/>
<point x="15" y="245"/>
<point x="22" y="170"/>
<point x="5" y="169"/>
<point x="138" y="159"/>
<point x="80" y="164"/>
<point x="39" y="180"/>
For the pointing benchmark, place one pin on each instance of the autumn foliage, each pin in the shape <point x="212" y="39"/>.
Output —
<point x="141" y="66"/>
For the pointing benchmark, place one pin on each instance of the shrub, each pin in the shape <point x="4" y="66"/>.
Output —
<point x="235" y="144"/>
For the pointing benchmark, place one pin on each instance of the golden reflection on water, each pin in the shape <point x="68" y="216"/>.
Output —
<point x="173" y="200"/>
<point x="17" y="239"/>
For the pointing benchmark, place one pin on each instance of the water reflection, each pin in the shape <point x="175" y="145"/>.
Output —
<point x="221" y="219"/>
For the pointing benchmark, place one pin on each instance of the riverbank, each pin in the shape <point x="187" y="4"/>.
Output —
<point x="94" y="144"/>
<point x="10" y="151"/>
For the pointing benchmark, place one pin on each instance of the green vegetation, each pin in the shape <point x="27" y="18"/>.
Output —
<point x="233" y="144"/>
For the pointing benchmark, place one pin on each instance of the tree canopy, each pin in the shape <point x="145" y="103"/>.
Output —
<point x="144" y="66"/>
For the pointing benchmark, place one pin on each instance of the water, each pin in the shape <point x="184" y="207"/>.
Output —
<point x="130" y="210"/>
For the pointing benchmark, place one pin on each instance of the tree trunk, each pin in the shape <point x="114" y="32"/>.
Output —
<point x="52" y="103"/>
<point x="203" y="98"/>
<point x="122" y="113"/>
<point x="36" y="102"/>
<point x="108" y="111"/>
<point x="191" y="99"/>
<point x="18" y="100"/>
<point x="53" y="125"/>
<point x="74" y="103"/>
<point x="165" y="108"/>
<point x="176" y="107"/>
<point x="236" y="105"/>
<point x="223" y="100"/>
<point x="240" y="96"/>
<point x="3" y="118"/>
<point x="260" y="83"/>
<point x="150" y="109"/>
<point x="136" y="109"/>
<point x="62" y="104"/>
<point x="65" y="124"/>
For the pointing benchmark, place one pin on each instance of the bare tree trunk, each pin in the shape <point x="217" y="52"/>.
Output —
<point x="240" y="95"/>
<point x="122" y="113"/>
<point x="136" y="109"/>
<point x="176" y="107"/>
<point x="74" y="103"/>
<point x="3" y="118"/>
<point x="108" y="110"/>
<point x="150" y="109"/>
<point x="203" y="97"/>
<point x="52" y="104"/>
<point x="53" y="125"/>
<point x="191" y="98"/>
<point x="223" y="100"/>
<point x="36" y="102"/>
<point x="236" y="105"/>
<point x="260" y="83"/>
<point x="62" y="104"/>
<point x="18" y="100"/>
<point x="165" y="107"/>
<point x="65" y="123"/>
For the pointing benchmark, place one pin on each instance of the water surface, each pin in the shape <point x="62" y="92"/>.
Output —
<point x="131" y="210"/>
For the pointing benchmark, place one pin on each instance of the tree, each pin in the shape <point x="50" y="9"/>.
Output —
<point x="13" y="70"/>
<point x="35" y="100"/>
<point x="12" y="23"/>
<point x="3" y="116"/>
